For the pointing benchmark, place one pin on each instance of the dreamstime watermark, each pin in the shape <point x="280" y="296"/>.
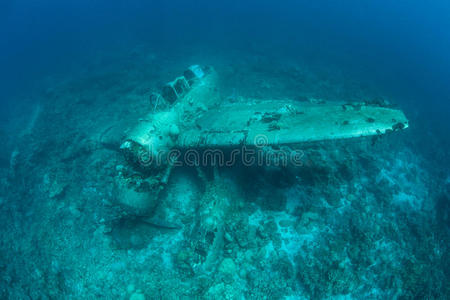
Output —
<point x="260" y="153"/>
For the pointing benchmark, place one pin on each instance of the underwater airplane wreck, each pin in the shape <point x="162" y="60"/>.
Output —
<point x="195" y="118"/>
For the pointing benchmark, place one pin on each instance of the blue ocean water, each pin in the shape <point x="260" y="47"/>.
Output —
<point x="360" y="219"/>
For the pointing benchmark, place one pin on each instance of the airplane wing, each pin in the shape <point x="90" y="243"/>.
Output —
<point x="284" y="122"/>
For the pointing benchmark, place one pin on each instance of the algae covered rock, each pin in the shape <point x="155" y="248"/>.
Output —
<point x="223" y="291"/>
<point x="138" y="295"/>
<point x="228" y="269"/>
<point x="54" y="185"/>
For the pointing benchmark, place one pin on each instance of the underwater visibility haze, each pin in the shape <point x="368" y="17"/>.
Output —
<point x="224" y="149"/>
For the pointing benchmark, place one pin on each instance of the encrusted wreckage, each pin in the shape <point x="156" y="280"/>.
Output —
<point x="196" y="117"/>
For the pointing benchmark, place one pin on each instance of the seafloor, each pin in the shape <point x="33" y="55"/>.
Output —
<point x="364" y="219"/>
